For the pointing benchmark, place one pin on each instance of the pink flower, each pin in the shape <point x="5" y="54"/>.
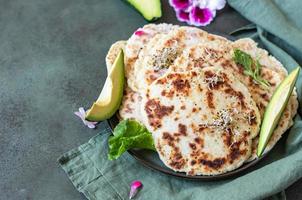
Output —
<point x="82" y="114"/>
<point x="183" y="16"/>
<point x="180" y="4"/>
<point x="134" y="188"/>
<point x="201" y="16"/>
<point x="197" y="12"/>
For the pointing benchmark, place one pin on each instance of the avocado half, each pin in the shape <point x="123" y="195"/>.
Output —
<point x="150" y="9"/>
<point x="275" y="109"/>
<point x="112" y="93"/>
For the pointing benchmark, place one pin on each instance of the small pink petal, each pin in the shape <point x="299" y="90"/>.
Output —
<point x="78" y="114"/>
<point x="182" y="16"/>
<point x="134" y="188"/>
<point x="90" y="125"/>
<point x="180" y="4"/>
<point x="84" y="121"/>
<point x="82" y="111"/>
<point x="201" y="16"/>
<point x="140" y="32"/>
<point x="82" y="114"/>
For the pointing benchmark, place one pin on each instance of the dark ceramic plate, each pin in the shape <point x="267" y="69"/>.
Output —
<point x="151" y="159"/>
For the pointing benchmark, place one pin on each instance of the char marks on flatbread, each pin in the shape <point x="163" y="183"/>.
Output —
<point x="161" y="53"/>
<point x="163" y="50"/>
<point x="130" y="108"/>
<point x="210" y="54"/>
<point x="136" y="47"/>
<point x="194" y="130"/>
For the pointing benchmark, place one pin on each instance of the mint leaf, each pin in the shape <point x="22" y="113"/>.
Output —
<point x="251" y="68"/>
<point x="257" y="69"/>
<point x="243" y="59"/>
<point x="129" y="134"/>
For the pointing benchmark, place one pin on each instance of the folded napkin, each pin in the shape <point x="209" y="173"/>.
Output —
<point x="277" y="27"/>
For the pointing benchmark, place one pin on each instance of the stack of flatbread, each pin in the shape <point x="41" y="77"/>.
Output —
<point x="204" y="113"/>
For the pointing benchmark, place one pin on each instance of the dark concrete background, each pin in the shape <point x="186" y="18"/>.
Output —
<point x="52" y="62"/>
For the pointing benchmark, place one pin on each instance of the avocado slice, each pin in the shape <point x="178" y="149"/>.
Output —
<point x="111" y="96"/>
<point x="150" y="9"/>
<point x="275" y="109"/>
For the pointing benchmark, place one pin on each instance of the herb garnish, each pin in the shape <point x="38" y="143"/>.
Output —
<point x="129" y="134"/>
<point x="251" y="67"/>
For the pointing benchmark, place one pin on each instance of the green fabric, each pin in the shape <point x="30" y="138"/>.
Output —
<point x="279" y="30"/>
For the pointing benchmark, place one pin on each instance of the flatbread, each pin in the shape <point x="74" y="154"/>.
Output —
<point x="131" y="105"/>
<point x="138" y="42"/>
<point x="211" y="54"/>
<point x="129" y="108"/>
<point x="113" y="52"/>
<point x="193" y="129"/>
<point x="272" y="69"/>
<point x="162" y="51"/>
<point x="167" y="49"/>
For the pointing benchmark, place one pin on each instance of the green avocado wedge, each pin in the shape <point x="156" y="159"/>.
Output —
<point x="275" y="109"/>
<point x="149" y="9"/>
<point x="112" y="93"/>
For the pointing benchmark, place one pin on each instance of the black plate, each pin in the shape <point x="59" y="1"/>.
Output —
<point x="151" y="159"/>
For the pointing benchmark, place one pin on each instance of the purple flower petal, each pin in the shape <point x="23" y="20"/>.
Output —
<point x="78" y="114"/>
<point x="197" y="12"/>
<point x="82" y="111"/>
<point x="82" y="114"/>
<point x="90" y="125"/>
<point x="182" y="16"/>
<point x="134" y="188"/>
<point x="201" y="16"/>
<point x="180" y="4"/>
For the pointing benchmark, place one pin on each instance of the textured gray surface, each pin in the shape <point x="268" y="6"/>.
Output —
<point x="52" y="61"/>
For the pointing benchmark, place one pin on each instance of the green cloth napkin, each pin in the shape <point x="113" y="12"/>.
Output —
<point x="279" y="30"/>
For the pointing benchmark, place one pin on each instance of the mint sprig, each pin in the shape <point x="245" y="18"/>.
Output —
<point x="251" y="67"/>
